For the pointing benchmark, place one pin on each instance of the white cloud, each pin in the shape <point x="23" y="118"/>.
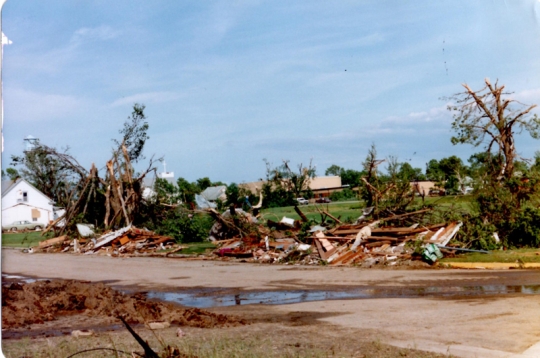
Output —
<point x="147" y="97"/>
<point x="100" y="33"/>
<point x="439" y="114"/>
<point x="531" y="96"/>
<point x="28" y="106"/>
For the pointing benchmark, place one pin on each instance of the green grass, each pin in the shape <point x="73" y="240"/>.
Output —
<point x="198" y="248"/>
<point x="345" y="209"/>
<point x="507" y="256"/>
<point x="24" y="239"/>
<point x="351" y="210"/>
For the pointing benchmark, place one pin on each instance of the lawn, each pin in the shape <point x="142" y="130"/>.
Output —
<point x="504" y="256"/>
<point x="197" y="248"/>
<point x="344" y="210"/>
<point x="23" y="239"/>
<point x="351" y="210"/>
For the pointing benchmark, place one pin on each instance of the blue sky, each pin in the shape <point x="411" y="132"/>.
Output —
<point x="228" y="83"/>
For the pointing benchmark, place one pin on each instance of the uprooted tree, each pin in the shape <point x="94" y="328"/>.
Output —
<point x="505" y="197"/>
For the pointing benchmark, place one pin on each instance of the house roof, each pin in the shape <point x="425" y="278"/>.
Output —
<point x="213" y="193"/>
<point x="6" y="185"/>
<point x="13" y="184"/>
<point x="148" y="182"/>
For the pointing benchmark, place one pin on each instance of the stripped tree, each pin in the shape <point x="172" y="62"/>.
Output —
<point x="490" y="116"/>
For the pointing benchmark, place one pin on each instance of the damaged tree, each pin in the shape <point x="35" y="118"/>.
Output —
<point x="283" y="184"/>
<point x="114" y="200"/>
<point x="53" y="172"/>
<point x="490" y="116"/>
<point x="504" y="196"/>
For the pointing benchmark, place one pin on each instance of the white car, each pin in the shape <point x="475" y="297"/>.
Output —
<point x="302" y="201"/>
<point x="22" y="225"/>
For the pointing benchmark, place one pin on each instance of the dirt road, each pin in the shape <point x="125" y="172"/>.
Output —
<point x="495" y="325"/>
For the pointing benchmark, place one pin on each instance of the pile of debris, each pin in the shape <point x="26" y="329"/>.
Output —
<point x="363" y="243"/>
<point x="128" y="241"/>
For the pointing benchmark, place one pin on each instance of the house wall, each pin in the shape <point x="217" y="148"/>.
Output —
<point x="423" y="186"/>
<point x="26" y="212"/>
<point x="317" y="183"/>
<point x="37" y="206"/>
<point x="325" y="182"/>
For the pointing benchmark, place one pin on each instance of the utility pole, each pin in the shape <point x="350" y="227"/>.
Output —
<point x="2" y="2"/>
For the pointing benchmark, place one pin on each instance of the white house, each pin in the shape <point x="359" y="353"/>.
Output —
<point x="22" y="201"/>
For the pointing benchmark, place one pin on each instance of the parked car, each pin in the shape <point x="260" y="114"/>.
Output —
<point x="302" y="201"/>
<point x="22" y="225"/>
<point x="323" y="200"/>
<point x="437" y="192"/>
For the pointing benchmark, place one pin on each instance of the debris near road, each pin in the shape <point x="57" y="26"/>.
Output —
<point x="364" y="243"/>
<point x="128" y="241"/>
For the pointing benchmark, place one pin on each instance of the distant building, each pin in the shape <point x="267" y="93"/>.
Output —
<point x="424" y="187"/>
<point x="320" y="186"/>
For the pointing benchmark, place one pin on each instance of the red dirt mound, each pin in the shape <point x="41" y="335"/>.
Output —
<point x="26" y="304"/>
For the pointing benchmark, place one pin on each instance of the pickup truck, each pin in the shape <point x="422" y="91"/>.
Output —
<point x="302" y="201"/>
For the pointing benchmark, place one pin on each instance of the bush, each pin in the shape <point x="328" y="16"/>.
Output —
<point x="525" y="230"/>
<point x="345" y="194"/>
<point x="186" y="227"/>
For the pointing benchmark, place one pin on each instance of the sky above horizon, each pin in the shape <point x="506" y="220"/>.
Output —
<point x="227" y="84"/>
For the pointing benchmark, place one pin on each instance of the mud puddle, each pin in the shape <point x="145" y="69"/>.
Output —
<point x="206" y="298"/>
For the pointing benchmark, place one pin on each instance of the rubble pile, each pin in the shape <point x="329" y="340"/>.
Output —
<point x="363" y="243"/>
<point x="124" y="242"/>
<point x="389" y="241"/>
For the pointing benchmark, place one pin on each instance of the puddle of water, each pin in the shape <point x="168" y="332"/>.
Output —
<point x="14" y="278"/>
<point x="212" y="298"/>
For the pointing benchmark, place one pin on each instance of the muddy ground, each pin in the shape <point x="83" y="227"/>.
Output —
<point x="462" y="323"/>
<point x="26" y="305"/>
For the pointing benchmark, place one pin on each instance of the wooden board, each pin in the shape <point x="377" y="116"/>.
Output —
<point x="53" y="241"/>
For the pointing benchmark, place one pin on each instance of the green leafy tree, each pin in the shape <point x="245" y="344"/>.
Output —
<point x="166" y="192"/>
<point x="434" y="172"/>
<point x="10" y="173"/>
<point x="334" y="170"/>
<point x="407" y="172"/>
<point x="187" y="190"/>
<point x="352" y="177"/>
<point x="372" y="183"/>
<point x="55" y="173"/>
<point x="134" y="133"/>
<point x="203" y="183"/>
<point x="284" y="184"/>
<point x="233" y="194"/>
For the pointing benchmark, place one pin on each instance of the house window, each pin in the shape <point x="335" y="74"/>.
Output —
<point x="34" y="219"/>
<point x="25" y="196"/>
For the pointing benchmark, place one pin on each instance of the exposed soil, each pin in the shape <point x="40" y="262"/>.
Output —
<point x="485" y="325"/>
<point x="25" y="304"/>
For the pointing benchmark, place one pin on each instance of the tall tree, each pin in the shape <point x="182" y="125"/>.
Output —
<point x="134" y="133"/>
<point x="334" y="170"/>
<point x="55" y="173"/>
<point x="10" y="173"/>
<point x="489" y="116"/>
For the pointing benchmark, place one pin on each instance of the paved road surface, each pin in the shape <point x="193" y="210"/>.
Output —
<point x="466" y="326"/>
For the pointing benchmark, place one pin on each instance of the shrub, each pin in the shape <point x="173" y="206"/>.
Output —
<point x="186" y="227"/>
